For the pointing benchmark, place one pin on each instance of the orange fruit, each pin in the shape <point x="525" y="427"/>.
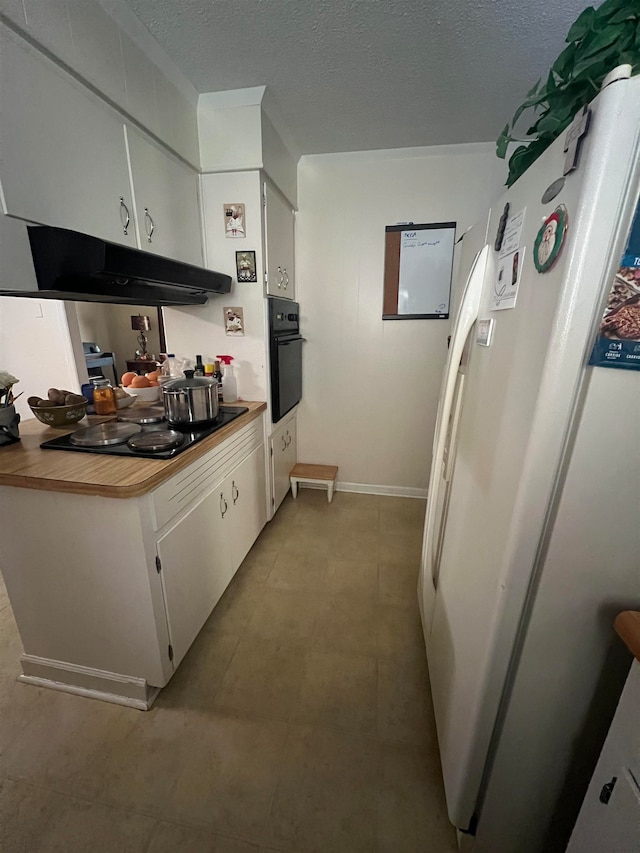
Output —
<point x="153" y="376"/>
<point x="154" y="383"/>
<point x="127" y="378"/>
<point x="140" y="382"/>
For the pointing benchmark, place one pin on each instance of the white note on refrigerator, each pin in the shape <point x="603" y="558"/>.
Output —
<point x="507" y="281"/>
<point x="512" y="233"/>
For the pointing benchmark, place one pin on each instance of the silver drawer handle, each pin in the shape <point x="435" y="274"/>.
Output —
<point x="284" y="442"/>
<point x="150" y="227"/>
<point x="285" y="278"/>
<point x="290" y="439"/>
<point x="126" y="219"/>
<point x="280" y="278"/>
<point x="235" y="492"/>
<point x="223" y="503"/>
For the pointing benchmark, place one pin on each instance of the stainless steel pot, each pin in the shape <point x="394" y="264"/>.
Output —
<point x="192" y="400"/>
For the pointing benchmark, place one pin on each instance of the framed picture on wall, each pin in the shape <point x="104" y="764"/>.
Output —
<point x="246" y="266"/>
<point x="234" y="220"/>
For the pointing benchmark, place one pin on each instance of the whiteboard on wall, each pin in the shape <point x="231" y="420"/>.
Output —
<point x="417" y="271"/>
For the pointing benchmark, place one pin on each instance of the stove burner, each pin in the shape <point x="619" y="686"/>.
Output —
<point x="226" y="414"/>
<point x="155" y="440"/>
<point x="103" y="435"/>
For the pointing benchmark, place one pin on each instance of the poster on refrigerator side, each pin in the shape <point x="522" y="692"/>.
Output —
<point x="618" y="341"/>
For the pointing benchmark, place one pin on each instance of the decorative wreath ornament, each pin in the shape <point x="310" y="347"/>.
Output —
<point x="550" y="239"/>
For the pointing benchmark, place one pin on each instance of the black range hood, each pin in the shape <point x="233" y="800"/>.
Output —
<point x="78" y="267"/>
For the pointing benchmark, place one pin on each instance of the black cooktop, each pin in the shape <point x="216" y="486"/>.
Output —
<point x="226" y="414"/>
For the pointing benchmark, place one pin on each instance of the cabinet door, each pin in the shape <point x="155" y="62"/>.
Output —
<point x="609" y="820"/>
<point x="64" y="159"/>
<point x="196" y="568"/>
<point x="166" y="201"/>
<point x="246" y="491"/>
<point x="283" y="458"/>
<point x="279" y="230"/>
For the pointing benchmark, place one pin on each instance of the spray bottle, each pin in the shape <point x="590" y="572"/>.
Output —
<point x="229" y="385"/>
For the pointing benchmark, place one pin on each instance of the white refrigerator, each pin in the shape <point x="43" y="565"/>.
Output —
<point x="532" y="533"/>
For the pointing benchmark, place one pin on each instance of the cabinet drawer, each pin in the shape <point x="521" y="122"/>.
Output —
<point x="194" y="481"/>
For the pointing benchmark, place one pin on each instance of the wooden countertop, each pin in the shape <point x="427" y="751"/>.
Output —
<point x="627" y="625"/>
<point x="26" y="466"/>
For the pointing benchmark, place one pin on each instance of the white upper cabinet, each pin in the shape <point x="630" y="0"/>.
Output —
<point x="167" y="208"/>
<point x="279" y="241"/>
<point x="63" y="160"/>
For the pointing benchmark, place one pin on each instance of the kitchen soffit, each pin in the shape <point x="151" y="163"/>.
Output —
<point x="353" y="75"/>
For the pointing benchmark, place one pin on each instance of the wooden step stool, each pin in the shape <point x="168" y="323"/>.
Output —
<point x="322" y="475"/>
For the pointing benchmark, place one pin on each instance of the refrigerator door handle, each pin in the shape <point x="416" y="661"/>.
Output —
<point x="467" y="316"/>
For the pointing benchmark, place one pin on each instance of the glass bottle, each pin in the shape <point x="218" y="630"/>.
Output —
<point x="217" y="375"/>
<point x="104" y="399"/>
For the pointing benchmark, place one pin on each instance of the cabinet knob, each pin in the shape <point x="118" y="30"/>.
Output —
<point x="126" y="219"/>
<point x="149" y="225"/>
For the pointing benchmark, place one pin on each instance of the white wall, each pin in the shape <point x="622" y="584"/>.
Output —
<point x="36" y="347"/>
<point x="371" y="387"/>
<point x="200" y="329"/>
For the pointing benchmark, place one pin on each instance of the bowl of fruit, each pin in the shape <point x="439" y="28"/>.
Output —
<point x="145" y="388"/>
<point x="59" y="408"/>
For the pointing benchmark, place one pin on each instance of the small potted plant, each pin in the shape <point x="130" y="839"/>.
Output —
<point x="9" y="418"/>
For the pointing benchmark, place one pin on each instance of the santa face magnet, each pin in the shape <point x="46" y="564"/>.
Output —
<point x="550" y="239"/>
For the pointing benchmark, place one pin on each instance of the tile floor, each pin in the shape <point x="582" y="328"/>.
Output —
<point x="299" y="721"/>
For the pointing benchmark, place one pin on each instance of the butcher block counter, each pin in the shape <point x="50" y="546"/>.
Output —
<point x="110" y="594"/>
<point x="26" y="466"/>
<point x="627" y="625"/>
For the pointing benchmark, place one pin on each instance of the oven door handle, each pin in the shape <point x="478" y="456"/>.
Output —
<point x="283" y="342"/>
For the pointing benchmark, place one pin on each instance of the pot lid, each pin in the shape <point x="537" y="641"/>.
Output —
<point x="189" y="381"/>
<point x="147" y="415"/>
<point x="153" y="441"/>
<point x="103" y="434"/>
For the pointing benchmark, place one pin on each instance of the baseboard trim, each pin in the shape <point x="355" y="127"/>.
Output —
<point x="389" y="491"/>
<point x="86" y="681"/>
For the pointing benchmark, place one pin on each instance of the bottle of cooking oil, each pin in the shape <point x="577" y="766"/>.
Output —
<point x="104" y="399"/>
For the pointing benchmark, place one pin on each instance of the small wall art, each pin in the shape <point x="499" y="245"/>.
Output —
<point x="233" y="321"/>
<point x="234" y="221"/>
<point x="246" y="266"/>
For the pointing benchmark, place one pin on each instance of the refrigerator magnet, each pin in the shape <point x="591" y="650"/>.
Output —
<point x="485" y="332"/>
<point x="550" y="239"/>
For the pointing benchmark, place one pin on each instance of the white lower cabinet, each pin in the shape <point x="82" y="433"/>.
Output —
<point x="113" y="608"/>
<point x="196" y="569"/>
<point x="202" y="552"/>
<point x="199" y="555"/>
<point x="284" y="455"/>
<point x="609" y="820"/>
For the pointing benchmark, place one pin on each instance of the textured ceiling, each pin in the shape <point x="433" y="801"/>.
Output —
<point x="351" y="75"/>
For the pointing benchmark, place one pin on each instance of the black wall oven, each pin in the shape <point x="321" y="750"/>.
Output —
<point x="285" y="353"/>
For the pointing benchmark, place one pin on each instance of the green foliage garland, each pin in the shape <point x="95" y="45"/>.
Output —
<point x="599" y="41"/>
